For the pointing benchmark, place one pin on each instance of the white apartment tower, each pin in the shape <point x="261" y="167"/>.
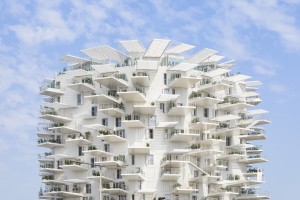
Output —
<point x="150" y="124"/>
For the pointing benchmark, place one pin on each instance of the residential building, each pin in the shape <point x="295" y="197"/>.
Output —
<point x="150" y="124"/>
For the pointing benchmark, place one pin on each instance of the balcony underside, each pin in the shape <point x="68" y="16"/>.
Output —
<point x="144" y="109"/>
<point x="184" y="82"/>
<point x="211" y="88"/>
<point x="205" y="152"/>
<point x="252" y="197"/>
<point x="111" y="82"/>
<point x="181" y="110"/>
<point x="204" y="179"/>
<point x="133" y="177"/>
<point x="65" y="194"/>
<point x="52" y="92"/>
<point x="170" y="177"/>
<point x="221" y="193"/>
<point x="209" y="141"/>
<point x="203" y="126"/>
<point x="233" y="107"/>
<point x="110" y="164"/>
<point x="73" y="167"/>
<point x="102" y="99"/>
<point x="232" y="131"/>
<point x="204" y="101"/>
<point x="97" y="153"/>
<point x="103" y="178"/>
<point x="133" y="123"/>
<point x="113" y="112"/>
<point x="183" y="137"/>
<point x="132" y="96"/>
<point x="55" y="118"/>
<point x="114" y="191"/>
<point x="82" y="87"/>
<point x="173" y="163"/>
<point x="253" y="160"/>
<point x="64" y="129"/>
<point x="140" y="80"/>
<point x="57" y="105"/>
<point x="183" y="190"/>
<point x="50" y="145"/>
<point x="79" y="141"/>
<point x="111" y="138"/>
<point x="232" y="156"/>
<point x="166" y="124"/>
<point x="51" y="170"/>
<point x="138" y="150"/>
<point x="253" y="137"/>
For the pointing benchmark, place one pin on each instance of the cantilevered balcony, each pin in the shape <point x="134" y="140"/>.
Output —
<point x="252" y="149"/>
<point x="73" y="165"/>
<point x="178" y="81"/>
<point x="112" y="109"/>
<point x="206" y="139"/>
<point x="170" y="174"/>
<point x="173" y="160"/>
<point x="253" y="159"/>
<point x="133" y="121"/>
<point x="105" y="177"/>
<point x="225" y="129"/>
<point x="61" y="128"/>
<point x="221" y="191"/>
<point x="212" y="86"/>
<point x="112" y="161"/>
<point x="141" y="79"/>
<point x="50" y="142"/>
<point x="254" y="135"/>
<point x="64" y="191"/>
<point x="112" y="80"/>
<point x="79" y="139"/>
<point x="200" y="177"/>
<point x="133" y="174"/>
<point x="52" y="115"/>
<point x="82" y="84"/>
<point x="233" y="155"/>
<point x="233" y="105"/>
<point x="179" y="109"/>
<point x="116" y="188"/>
<point x="250" y="121"/>
<point x="252" y="194"/>
<point x="92" y="150"/>
<point x="198" y="124"/>
<point x="202" y="99"/>
<point x="50" y="88"/>
<point x="178" y="189"/>
<point x="183" y="135"/>
<point x="109" y="97"/>
<point x="144" y="109"/>
<point x="132" y="94"/>
<point x="112" y="136"/>
<point x="197" y="150"/>
<point x="49" y="168"/>
<point x="139" y="148"/>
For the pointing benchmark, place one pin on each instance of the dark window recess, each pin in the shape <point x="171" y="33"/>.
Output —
<point x="80" y="151"/>
<point x="105" y="121"/>
<point x="118" y="122"/>
<point x="119" y="174"/>
<point x="165" y="78"/>
<point x="88" y="188"/>
<point x="206" y="112"/>
<point x="92" y="162"/>
<point x="79" y="99"/>
<point x="132" y="160"/>
<point x="151" y="133"/>
<point x="94" y="111"/>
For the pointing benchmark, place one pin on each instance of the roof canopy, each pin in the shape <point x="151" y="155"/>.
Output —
<point x="178" y="49"/>
<point x="157" y="48"/>
<point x="133" y="46"/>
<point x="202" y="55"/>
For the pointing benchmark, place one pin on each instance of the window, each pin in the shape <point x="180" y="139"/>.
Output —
<point x="105" y="121"/>
<point x="119" y="174"/>
<point x="151" y="133"/>
<point x="228" y="141"/>
<point x="152" y="120"/>
<point x="150" y="160"/>
<point x="80" y="151"/>
<point x="79" y="99"/>
<point x="118" y="122"/>
<point x="176" y="197"/>
<point x="132" y="197"/>
<point x="94" y="110"/>
<point x="92" y="162"/>
<point x="88" y="188"/>
<point x="106" y="147"/>
<point x="166" y="91"/>
<point x="165" y="78"/>
<point x="216" y="113"/>
<point x="173" y="91"/>
<point x="132" y="160"/>
<point x="206" y="112"/>
<point x="166" y="134"/>
<point x="195" y="112"/>
<point x="162" y="107"/>
<point x="58" y="99"/>
<point x="140" y="185"/>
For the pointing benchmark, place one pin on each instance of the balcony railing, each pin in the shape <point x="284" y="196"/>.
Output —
<point x="118" y="76"/>
<point x="47" y="166"/>
<point x="88" y="80"/>
<point x="130" y="89"/>
<point x="120" y="133"/>
<point x="118" y="185"/>
<point x="56" y="141"/>
<point x="112" y="105"/>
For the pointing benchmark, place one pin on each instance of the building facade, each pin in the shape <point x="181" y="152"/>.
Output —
<point x="150" y="124"/>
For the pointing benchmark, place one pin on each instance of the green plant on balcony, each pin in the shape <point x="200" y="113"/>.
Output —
<point x="133" y="74"/>
<point x="87" y="135"/>
<point x="194" y="95"/>
<point x="121" y="76"/>
<point x="57" y="124"/>
<point x="237" y="177"/>
<point x="104" y="132"/>
<point x="96" y="173"/>
<point x="176" y="185"/>
<point x="152" y="103"/>
<point x="223" y="125"/>
<point x="121" y="106"/>
<point x="88" y="80"/>
<point x="172" y="104"/>
<point x="231" y="177"/>
<point x="69" y="162"/>
<point x="147" y="145"/>
<point x="195" y="120"/>
<point x="92" y="147"/>
<point x="128" y="117"/>
<point x="106" y="186"/>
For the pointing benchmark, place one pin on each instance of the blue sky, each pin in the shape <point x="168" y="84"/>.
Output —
<point x="263" y="36"/>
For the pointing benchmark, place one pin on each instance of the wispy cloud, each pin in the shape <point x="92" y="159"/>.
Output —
<point x="277" y="88"/>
